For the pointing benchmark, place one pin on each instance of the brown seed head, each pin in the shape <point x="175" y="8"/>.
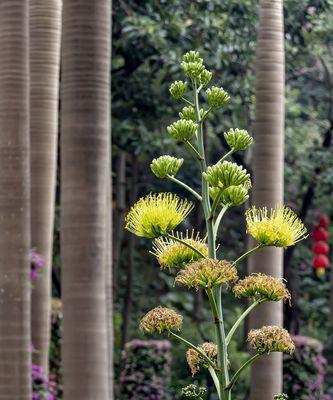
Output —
<point x="161" y="319"/>
<point x="207" y="273"/>
<point x="262" y="286"/>
<point x="195" y="360"/>
<point x="271" y="338"/>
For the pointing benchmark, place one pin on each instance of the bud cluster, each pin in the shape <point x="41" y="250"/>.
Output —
<point x="166" y="165"/>
<point x="182" y="129"/>
<point x="238" y="139"/>
<point x="178" y="89"/>
<point x="225" y="174"/>
<point x="217" y="97"/>
<point x="194" y="392"/>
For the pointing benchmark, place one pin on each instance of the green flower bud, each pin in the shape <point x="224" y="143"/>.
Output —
<point x="166" y="165"/>
<point x="192" y="56"/>
<point x="194" y="392"/>
<point x="238" y="139"/>
<point x="225" y="174"/>
<point x="177" y="89"/>
<point x="192" y="69"/>
<point x="235" y="195"/>
<point x="217" y="97"/>
<point x="281" y="396"/>
<point x="205" y="77"/>
<point x="188" y="113"/>
<point x="182" y="130"/>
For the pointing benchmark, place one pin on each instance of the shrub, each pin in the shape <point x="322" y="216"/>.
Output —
<point x="146" y="368"/>
<point x="305" y="371"/>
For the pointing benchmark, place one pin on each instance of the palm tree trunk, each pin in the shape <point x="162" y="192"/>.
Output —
<point x="45" y="31"/>
<point x="15" y="365"/>
<point x="85" y="140"/>
<point x="130" y="251"/>
<point x="266" y="380"/>
<point x="109" y="278"/>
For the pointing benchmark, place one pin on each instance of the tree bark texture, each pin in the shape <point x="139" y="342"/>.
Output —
<point x="15" y="351"/>
<point x="268" y="157"/>
<point x="45" y="33"/>
<point x="85" y="137"/>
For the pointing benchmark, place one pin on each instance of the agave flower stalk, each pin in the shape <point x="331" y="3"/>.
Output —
<point x="223" y="185"/>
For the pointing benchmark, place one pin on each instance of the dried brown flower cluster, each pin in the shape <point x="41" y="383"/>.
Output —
<point x="207" y="273"/>
<point x="271" y="338"/>
<point x="195" y="360"/>
<point x="161" y="319"/>
<point x="262" y="286"/>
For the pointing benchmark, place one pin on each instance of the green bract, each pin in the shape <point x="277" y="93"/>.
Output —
<point x="177" y="89"/>
<point x="166" y="165"/>
<point x="205" y="77"/>
<point x="225" y="174"/>
<point x="192" y="69"/>
<point x="182" y="130"/>
<point x="238" y="139"/>
<point x="217" y="97"/>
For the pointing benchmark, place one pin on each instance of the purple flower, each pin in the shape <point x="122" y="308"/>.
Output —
<point x="311" y="10"/>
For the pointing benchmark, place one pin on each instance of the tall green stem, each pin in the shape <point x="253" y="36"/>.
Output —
<point x="221" y="342"/>
<point x="214" y="298"/>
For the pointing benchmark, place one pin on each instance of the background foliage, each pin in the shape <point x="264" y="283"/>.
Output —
<point x="148" y="40"/>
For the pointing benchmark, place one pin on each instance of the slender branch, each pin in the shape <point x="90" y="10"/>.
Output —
<point x="241" y="318"/>
<point x="193" y="150"/>
<point x="218" y="219"/>
<point x="215" y="380"/>
<point x="190" y="345"/>
<point x="215" y="204"/>
<point x="206" y="114"/>
<point x="177" y="239"/>
<point x="241" y="369"/>
<point x="248" y="253"/>
<point x="189" y="103"/>
<point x="227" y="155"/>
<point x="182" y="184"/>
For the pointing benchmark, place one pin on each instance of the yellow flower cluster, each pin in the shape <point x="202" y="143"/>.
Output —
<point x="270" y="339"/>
<point x="170" y="253"/>
<point x="262" y="286"/>
<point x="160" y="320"/>
<point x="195" y="360"/>
<point x="278" y="227"/>
<point x="157" y="215"/>
<point x="207" y="273"/>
